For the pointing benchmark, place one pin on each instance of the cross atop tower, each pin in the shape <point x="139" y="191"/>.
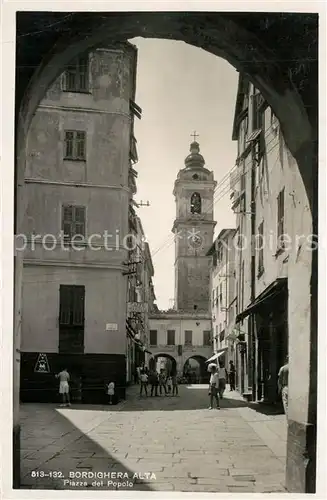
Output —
<point x="194" y="135"/>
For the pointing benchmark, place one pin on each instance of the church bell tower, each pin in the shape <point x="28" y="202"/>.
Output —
<point x="194" y="229"/>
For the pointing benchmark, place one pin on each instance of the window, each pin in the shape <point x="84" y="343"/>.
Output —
<point x="220" y="292"/>
<point x="153" y="337"/>
<point x="280" y="220"/>
<point x="171" y="337"/>
<point x="73" y="222"/>
<point x="196" y="203"/>
<point x="220" y="253"/>
<point x="188" y="337"/>
<point x="71" y="306"/>
<point x="75" y="145"/>
<point x="213" y="297"/>
<point x="207" y="337"/>
<point x="257" y="111"/>
<point x="260" y="244"/>
<point x="76" y="76"/>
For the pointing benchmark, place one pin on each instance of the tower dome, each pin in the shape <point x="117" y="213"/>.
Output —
<point x="194" y="159"/>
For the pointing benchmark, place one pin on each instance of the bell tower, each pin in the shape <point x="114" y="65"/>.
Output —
<point x="194" y="229"/>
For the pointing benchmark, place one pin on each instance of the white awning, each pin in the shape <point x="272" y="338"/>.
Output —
<point x="217" y="355"/>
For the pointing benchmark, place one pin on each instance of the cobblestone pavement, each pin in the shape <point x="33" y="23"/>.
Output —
<point x="184" y="445"/>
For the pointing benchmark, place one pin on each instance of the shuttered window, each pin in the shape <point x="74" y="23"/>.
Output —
<point x="71" y="309"/>
<point x="75" y="145"/>
<point x="188" y="337"/>
<point x="207" y="337"/>
<point x="171" y="337"/>
<point x="260" y="249"/>
<point x="153" y="337"/>
<point x="73" y="221"/>
<point x="76" y="76"/>
<point x="280" y="219"/>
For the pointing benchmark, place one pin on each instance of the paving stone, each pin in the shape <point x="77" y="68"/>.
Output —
<point x="221" y="449"/>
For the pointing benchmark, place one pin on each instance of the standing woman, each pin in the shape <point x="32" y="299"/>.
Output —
<point x="232" y="374"/>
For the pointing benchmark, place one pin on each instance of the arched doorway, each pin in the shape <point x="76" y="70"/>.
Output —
<point x="195" y="370"/>
<point x="163" y="361"/>
<point x="287" y="79"/>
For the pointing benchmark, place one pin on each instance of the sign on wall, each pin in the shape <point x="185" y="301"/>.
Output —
<point x="137" y="307"/>
<point x="42" y="364"/>
<point x="111" y="327"/>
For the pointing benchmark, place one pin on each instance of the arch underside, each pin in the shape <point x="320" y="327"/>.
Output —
<point x="286" y="74"/>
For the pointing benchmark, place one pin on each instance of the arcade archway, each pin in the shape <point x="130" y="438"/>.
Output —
<point x="164" y="362"/>
<point x="195" y="370"/>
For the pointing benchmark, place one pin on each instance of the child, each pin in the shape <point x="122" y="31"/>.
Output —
<point x="144" y="383"/>
<point x="111" y="391"/>
<point x="169" y="384"/>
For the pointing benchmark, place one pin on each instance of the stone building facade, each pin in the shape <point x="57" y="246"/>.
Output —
<point x="223" y="292"/>
<point x="140" y="297"/>
<point x="265" y="199"/>
<point x="80" y="151"/>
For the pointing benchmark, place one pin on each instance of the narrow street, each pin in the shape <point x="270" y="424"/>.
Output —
<point x="184" y="445"/>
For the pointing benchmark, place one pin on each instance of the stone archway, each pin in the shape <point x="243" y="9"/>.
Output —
<point x="289" y="84"/>
<point x="171" y="365"/>
<point x="196" y="372"/>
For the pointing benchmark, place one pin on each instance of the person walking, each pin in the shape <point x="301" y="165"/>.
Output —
<point x="283" y="385"/>
<point x="162" y="382"/>
<point x="232" y="376"/>
<point x="214" y="387"/>
<point x="222" y="376"/>
<point x="64" y="379"/>
<point x="144" y="383"/>
<point x="175" y="384"/>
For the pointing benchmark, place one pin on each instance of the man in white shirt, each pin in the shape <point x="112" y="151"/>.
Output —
<point x="64" y="386"/>
<point x="144" y="383"/>
<point x="214" y="385"/>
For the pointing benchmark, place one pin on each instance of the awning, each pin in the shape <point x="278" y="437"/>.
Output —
<point x="217" y="355"/>
<point x="271" y="291"/>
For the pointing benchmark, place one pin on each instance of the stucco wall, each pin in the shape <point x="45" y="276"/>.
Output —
<point x="105" y="299"/>
<point x="100" y="184"/>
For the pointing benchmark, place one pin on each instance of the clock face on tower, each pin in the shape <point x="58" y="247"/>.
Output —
<point x="195" y="240"/>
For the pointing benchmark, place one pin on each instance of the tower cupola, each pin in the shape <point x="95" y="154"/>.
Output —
<point x="194" y="159"/>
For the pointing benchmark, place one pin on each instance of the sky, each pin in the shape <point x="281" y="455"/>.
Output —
<point x="180" y="88"/>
